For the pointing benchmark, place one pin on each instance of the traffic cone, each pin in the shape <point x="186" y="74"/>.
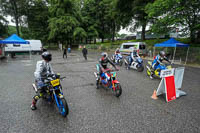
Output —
<point x="154" y="95"/>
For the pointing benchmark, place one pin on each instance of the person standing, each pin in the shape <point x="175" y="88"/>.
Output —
<point x="85" y="52"/>
<point x="69" y="49"/>
<point x="65" y="53"/>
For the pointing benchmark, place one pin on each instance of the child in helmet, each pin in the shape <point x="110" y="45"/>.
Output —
<point x="43" y="69"/>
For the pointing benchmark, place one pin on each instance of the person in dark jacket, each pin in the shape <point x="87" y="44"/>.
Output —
<point x="85" y="52"/>
<point x="65" y="53"/>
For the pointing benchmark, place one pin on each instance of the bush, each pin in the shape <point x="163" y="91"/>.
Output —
<point x="114" y="46"/>
<point x="92" y="46"/>
<point x="51" y="47"/>
<point x="103" y="47"/>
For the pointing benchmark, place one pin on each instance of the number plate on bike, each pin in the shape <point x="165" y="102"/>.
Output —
<point x="55" y="82"/>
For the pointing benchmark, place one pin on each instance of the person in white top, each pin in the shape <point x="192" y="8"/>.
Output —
<point x="43" y="69"/>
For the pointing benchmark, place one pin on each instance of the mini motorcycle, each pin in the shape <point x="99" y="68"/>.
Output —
<point x="54" y="94"/>
<point x="117" y="59"/>
<point x="109" y="81"/>
<point x="156" y="71"/>
<point x="137" y="64"/>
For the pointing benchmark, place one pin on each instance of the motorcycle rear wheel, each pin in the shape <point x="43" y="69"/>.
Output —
<point x="118" y="90"/>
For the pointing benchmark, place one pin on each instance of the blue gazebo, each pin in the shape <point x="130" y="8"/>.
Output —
<point x="14" y="39"/>
<point x="173" y="43"/>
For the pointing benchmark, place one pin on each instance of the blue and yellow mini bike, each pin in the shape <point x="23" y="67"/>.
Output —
<point x="54" y="94"/>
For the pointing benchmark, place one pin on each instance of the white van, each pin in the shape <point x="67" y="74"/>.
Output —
<point x="126" y="48"/>
<point x="34" y="46"/>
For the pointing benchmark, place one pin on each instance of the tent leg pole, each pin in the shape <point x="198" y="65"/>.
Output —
<point x="30" y="51"/>
<point x="187" y="55"/>
<point x="174" y="54"/>
<point x="154" y="50"/>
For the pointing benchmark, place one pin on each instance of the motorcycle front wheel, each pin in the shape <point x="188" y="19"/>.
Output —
<point x="140" y="69"/>
<point x="126" y="64"/>
<point x="118" y="90"/>
<point x="64" y="109"/>
<point x="98" y="84"/>
<point x="148" y="72"/>
<point x="120" y="62"/>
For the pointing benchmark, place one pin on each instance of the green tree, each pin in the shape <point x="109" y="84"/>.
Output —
<point x="89" y="20"/>
<point x="37" y="16"/>
<point x="112" y="17"/>
<point x="62" y="20"/>
<point x="79" y="34"/>
<point x="3" y="26"/>
<point x="14" y="8"/>
<point x="170" y="14"/>
<point x="133" y="12"/>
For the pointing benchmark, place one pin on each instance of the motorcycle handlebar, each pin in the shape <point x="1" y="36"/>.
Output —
<point x="111" y="70"/>
<point x="62" y="78"/>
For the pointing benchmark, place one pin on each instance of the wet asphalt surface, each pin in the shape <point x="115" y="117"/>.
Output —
<point x="92" y="110"/>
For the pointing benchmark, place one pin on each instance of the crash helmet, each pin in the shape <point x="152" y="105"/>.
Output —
<point x="117" y="51"/>
<point x="162" y="53"/>
<point x="46" y="56"/>
<point x="104" y="55"/>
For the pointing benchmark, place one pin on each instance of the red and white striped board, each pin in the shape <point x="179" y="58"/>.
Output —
<point x="167" y="85"/>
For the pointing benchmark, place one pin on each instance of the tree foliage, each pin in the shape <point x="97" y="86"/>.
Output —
<point x="3" y="26"/>
<point x="171" y="14"/>
<point x="83" y="21"/>
<point x="62" y="21"/>
<point x="37" y="16"/>
<point x="14" y="8"/>
<point x="133" y="12"/>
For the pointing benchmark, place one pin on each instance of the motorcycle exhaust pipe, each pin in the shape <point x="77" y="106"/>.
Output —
<point x="34" y="87"/>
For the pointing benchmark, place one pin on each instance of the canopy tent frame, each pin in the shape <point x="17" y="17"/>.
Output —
<point x="174" y="54"/>
<point x="187" y="55"/>
<point x="173" y="43"/>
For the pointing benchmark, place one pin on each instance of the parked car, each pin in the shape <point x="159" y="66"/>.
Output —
<point x="126" y="48"/>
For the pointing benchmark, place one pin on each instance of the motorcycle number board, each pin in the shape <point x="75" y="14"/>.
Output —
<point x="167" y="73"/>
<point x="55" y="82"/>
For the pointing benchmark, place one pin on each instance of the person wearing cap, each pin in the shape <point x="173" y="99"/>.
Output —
<point x="43" y="69"/>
